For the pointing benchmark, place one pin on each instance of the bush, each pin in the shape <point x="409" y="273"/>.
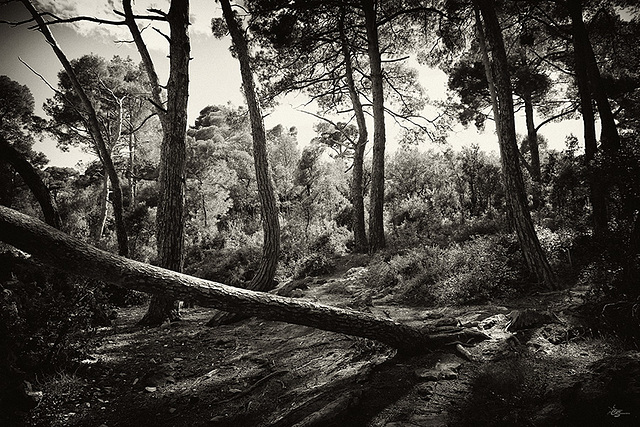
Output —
<point x="504" y="393"/>
<point x="231" y="266"/>
<point x="483" y="226"/>
<point x="315" y="264"/>
<point x="381" y="275"/>
<point x="462" y="273"/>
<point x="42" y="310"/>
<point x="331" y="242"/>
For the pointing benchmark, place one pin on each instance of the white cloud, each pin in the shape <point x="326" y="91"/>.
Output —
<point x="201" y="12"/>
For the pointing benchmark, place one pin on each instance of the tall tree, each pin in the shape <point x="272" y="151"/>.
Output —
<point x="93" y="126"/>
<point x="112" y="87"/>
<point x="263" y="279"/>
<point x="376" y="204"/>
<point x="357" y="191"/>
<point x="591" y="88"/>
<point x="317" y="42"/>
<point x="173" y="118"/>
<point x="597" y="193"/>
<point x="497" y="73"/>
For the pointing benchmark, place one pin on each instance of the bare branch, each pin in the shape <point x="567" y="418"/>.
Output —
<point x="167" y="38"/>
<point x="573" y="109"/>
<point x="158" y="12"/>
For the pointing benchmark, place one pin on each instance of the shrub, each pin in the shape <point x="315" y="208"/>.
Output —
<point x="482" y="226"/>
<point x="558" y="245"/>
<point x="331" y="241"/>
<point x="231" y="266"/>
<point x="42" y="309"/>
<point x="381" y="275"/>
<point x="314" y="264"/>
<point x="462" y="273"/>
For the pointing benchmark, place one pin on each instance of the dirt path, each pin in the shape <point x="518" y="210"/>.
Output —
<point x="260" y="373"/>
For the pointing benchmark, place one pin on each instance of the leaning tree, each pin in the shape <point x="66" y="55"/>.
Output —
<point x="70" y="254"/>
<point x="497" y="73"/>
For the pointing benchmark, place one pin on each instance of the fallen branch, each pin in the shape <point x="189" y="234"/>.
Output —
<point x="67" y="253"/>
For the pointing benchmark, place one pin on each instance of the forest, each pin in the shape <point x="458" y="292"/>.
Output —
<point x="216" y="271"/>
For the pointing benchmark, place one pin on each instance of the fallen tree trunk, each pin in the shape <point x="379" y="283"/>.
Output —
<point x="67" y="253"/>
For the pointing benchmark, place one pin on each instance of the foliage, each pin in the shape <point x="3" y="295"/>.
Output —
<point x="42" y="310"/>
<point x="474" y="271"/>
<point x="16" y="103"/>
<point x="231" y="258"/>
<point x="314" y="264"/>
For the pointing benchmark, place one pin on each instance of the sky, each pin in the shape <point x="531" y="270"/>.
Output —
<point x="214" y="73"/>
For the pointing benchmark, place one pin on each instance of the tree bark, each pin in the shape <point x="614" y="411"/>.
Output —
<point x="103" y="206"/>
<point x="597" y="191"/>
<point x="132" y="171"/>
<point x="609" y="137"/>
<point x="376" y="206"/>
<point x="94" y="129"/>
<point x="590" y="87"/>
<point x="70" y="254"/>
<point x="357" y="193"/>
<point x="532" y="140"/>
<point x="171" y="181"/>
<point x="497" y="72"/>
<point x="263" y="279"/>
<point x="31" y="177"/>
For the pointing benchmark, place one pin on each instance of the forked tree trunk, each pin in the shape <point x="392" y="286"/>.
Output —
<point x="263" y="279"/>
<point x="30" y="177"/>
<point x="357" y="191"/>
<point x="497" y="73"/>
<point x="70" y="254"/>
<point x="590" y="87"/>
<point x="609" y="137"/>
<point x="599" y="214"/>
<point x="376" y="206"/>
<point x="171" y="181"/>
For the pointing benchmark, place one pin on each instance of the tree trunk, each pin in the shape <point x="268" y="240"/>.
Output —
<point x="132" y="176"/>
<point x="156" y="88"/>
<point x="103" y="207"/>
<point x="171" y="181"/>
<point x="609" y="137"/>
<point x="497" y="72"/>
<point x="6" y="183"/>
<point x="70" y="254"/>
<point x="263" y="279"/>
<point x="376" y="206"/>
<point x="31" y="177"/>
<point x="532" y="139"/>
<point x="357" y="193"/>
<point x="597" y="190"/>
<point x="94" y="129"/>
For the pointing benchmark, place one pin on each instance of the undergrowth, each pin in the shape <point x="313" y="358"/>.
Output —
<point x="482" y="268"/>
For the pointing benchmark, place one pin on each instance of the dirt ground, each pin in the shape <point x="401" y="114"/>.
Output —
<point x="263" y="373"/>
